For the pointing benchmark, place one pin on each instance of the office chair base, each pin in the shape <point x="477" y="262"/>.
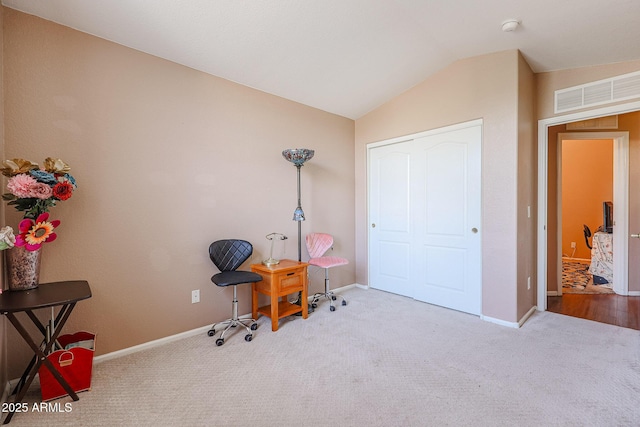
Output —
<point x="331" y="296"/>
<point x="249" y="324"/>
<point x="328" y="294"/>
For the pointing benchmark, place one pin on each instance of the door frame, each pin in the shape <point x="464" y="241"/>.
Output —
<point x="620" y="200"/>
<point x="406" y="138"/>
<point x="543" y="168"/>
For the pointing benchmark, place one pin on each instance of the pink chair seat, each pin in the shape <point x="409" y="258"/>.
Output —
<point x="328" y="261"/>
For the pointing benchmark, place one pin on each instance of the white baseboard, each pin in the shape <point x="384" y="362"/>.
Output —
<point x="171" y="338"/>
<point x="634" y="293"/>
<point x="343" y="288"/>
<point x="527" y="315"/>
<point x="151" y="344"/>
<point x="552" y="293"/>
<point x="515" y="325"/>
<point x="336" y="290"/>
<point x="500" y="322"/>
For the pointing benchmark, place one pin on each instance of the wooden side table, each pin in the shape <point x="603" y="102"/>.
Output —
<point x="279" y="281"/>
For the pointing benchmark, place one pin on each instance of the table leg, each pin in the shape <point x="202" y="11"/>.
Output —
<point x="40" y="355"/>
<point x="305" y="297"/>
<point x="24" y="376"/>
<point x="34" y="359"/>
<point x="274" y="311"/>
<point x="26" y="383"/>
<point x="36" y="322"/>
<point x="254" y="301"/>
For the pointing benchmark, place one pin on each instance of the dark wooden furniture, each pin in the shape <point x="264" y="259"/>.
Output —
<point x="277" y="282"/>
<point x="64" y="294"/>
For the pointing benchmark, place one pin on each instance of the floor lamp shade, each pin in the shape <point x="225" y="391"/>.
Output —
<point x="298" y="156"/>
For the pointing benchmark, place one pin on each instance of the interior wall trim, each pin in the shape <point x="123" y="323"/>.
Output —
<point x="171" y="338"/>
<point x="515" y="325"/>
<point x="543" y="148"/>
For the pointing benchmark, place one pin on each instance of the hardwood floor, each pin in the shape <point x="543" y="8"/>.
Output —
<point x="612" y="309"/>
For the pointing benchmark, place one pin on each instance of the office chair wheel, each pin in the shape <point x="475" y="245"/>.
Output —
<point x="211" y="332"/>
<point x="333" y="297"/>
<point x="248" y="337"/>
<point x="254" y="326"/>
<point x="219" y="342"/>
<point x="314" y="305"/>
<point x="344" y="302"/>
<point x="332" y="308"/>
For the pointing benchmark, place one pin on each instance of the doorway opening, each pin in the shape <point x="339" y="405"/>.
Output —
<point x="585" y="183"/>
<point x="546" y="225"/>
<point x="618" y="241"/>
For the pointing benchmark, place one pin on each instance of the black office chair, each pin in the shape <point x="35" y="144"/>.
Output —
<point x="587" y="234"/>
<point x="228" y="255"/>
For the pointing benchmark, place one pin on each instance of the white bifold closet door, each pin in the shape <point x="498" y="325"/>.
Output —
<point x="425" y="213"/>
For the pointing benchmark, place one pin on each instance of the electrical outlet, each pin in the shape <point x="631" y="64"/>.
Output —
<point x="195" y="296"/>
<point x="573" y="245"/>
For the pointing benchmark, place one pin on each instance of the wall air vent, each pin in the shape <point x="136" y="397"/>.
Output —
<point x="614" y="89"/>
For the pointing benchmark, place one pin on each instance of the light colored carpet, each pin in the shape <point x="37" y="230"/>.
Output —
<point x="383" y="360"/>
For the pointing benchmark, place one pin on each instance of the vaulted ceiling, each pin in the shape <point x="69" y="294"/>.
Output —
<point x="349" y="56"/>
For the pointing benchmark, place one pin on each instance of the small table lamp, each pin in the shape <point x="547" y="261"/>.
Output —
<point x="273" y="236"/>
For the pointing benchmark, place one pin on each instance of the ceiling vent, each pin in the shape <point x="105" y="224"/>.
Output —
<point x="615" y="89"/>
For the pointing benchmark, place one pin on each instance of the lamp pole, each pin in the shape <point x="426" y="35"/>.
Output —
<point x="301" y="214"/>
<point x="298" y="156"/>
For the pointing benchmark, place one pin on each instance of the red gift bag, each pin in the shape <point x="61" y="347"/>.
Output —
<point x="74" y="362"/>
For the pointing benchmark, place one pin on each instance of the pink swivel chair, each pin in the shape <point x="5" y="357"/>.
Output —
<point x="317" y="245"/>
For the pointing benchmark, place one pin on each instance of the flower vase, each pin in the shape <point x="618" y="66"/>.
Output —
<point x="23" y="268"/>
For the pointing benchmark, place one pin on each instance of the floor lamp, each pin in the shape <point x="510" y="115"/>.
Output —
<point x="298" y="156"/>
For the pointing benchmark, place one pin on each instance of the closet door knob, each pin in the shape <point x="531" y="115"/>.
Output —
<point x="474" y="230"/>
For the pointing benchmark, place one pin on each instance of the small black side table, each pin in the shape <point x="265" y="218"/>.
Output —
<point x="65" y="294"/>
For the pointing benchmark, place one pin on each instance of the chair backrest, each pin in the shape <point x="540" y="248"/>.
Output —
<point x="229" y="254"/>
<point x="587" y="234"/>
<point x="318" y="244"/>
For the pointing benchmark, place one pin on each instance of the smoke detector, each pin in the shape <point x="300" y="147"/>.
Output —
<point x="510" y="25"/>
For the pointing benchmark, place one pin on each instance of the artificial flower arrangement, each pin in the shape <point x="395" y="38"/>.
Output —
<point x="34" y="191"/>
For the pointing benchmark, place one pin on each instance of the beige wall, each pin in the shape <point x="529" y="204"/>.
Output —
<point x="553" y="256"/>
<point x="587" y="181"/>
<point x="482" y="87"/>
<point x="167" y="159"/>
<point x="527" y="191"/>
